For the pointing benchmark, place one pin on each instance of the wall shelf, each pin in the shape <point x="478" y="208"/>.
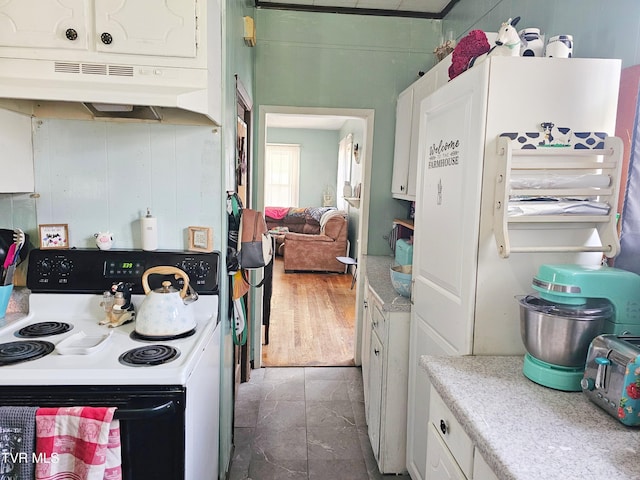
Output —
<point x="404" y="222"/>
<point x="353" y="201"/>
<point x="564" y="162"/>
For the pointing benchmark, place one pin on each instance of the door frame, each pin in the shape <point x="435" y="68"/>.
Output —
<point x="365" y="114"/>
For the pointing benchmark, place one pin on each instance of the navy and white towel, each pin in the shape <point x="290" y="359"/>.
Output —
<point x="17" y="442"/>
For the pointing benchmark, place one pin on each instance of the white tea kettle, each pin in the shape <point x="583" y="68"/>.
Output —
<point x="165" y="311"/>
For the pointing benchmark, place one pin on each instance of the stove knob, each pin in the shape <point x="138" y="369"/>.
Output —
<point x="202" y="269"/>
<point x="44" y="266"/>
<point x="64" y="267"/>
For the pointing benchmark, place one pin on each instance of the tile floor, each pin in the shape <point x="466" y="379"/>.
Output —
<point x="303" y="423"/>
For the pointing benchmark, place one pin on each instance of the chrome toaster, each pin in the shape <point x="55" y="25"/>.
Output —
<point x="612" y="376"/>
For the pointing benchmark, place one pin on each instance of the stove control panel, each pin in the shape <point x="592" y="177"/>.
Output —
<point x="94" y="271"/>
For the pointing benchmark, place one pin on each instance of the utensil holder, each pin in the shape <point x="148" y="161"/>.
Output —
<point x="5" y="295"/>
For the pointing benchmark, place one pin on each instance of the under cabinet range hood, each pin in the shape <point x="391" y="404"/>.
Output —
<point x="129" y="61"/>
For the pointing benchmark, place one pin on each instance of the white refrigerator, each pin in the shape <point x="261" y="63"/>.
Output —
<point x="463" y="291"/>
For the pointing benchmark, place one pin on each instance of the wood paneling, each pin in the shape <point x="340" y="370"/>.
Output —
<point x="312" y="319"/>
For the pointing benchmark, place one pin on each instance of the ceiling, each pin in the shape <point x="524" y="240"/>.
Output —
<point x="312" y="122"/>
<point x="387" y="8"/>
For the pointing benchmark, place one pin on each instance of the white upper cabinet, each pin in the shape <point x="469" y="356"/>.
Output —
<point x="114" y="26"/>
<point x="401" y="149"/>
<point x="405" y="154"/>
<point x="50" y="24"/>
<point x="123" y="26"/>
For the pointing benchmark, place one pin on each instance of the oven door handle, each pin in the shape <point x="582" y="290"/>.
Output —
<point x="144" y="413"/>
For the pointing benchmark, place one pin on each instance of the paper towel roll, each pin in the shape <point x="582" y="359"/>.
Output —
<point x="149" y="232"/>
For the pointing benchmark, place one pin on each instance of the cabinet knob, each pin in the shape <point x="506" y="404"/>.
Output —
<point x="366" y="304"/>
<point x="376" y="351"/>
<point x="443" y="427"/>
<point x="71" y="34"/>
<point x="106" y="38"/>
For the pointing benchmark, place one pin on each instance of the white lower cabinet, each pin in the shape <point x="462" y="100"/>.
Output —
<point x="376" y="358"/>
<point x="422" y="341"/>
<point x="385" y="373"/>
<point x="450" y="452"/>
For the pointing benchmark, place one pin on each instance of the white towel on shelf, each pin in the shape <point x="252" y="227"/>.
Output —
<point x="553" y="180"/>
<point x="557" y="207"/>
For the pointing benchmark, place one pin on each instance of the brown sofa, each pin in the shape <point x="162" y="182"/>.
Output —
<point x="315" y="237"/>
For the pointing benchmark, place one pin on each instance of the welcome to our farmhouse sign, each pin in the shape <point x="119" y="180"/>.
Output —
<point x="444" y="154"/>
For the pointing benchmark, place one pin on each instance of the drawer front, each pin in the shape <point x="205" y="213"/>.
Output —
<point x="440" y="464"/>
<point x="451" y="432"/>
<point x="378" y="319"/>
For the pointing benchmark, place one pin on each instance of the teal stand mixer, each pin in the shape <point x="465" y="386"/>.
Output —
<point x="575" y="303"/>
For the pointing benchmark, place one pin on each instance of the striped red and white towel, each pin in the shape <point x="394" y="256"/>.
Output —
<point x="77" y="443"/>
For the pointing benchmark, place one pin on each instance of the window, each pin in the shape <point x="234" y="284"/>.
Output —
<point x="281" y="178"/>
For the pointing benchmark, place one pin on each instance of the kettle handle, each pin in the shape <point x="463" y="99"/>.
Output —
<point x="166" y="270"/>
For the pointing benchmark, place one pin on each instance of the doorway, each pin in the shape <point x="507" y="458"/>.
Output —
<point x="314" y="118"/>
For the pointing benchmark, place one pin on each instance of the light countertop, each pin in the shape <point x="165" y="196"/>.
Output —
<point x="19" y="301"/>
<point x="377" y="272"/>
<point x="529" y="432"/>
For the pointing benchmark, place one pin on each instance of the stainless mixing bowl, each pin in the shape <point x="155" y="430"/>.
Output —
<point x="561" y="334"/>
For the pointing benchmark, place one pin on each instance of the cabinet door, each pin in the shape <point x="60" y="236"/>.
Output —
<point x="422" y="341"/>
<point x="366" y="348"/>
<point x="404" y="112"/>
<point x="34" y="23"/>
<point x="166" y="28"/>
<point x="376" y="359"/>
<point x="452" y="122"/>
<point x="440" y="463"/>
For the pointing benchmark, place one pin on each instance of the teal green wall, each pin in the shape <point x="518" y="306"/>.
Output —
<point x="318" y="160"/>
<point x="346" y="61"/>
<point x="600" y="29"/>
<point x="333" y="60"/>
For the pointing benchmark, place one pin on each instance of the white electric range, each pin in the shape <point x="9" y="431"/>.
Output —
<point x="59" y="355"/>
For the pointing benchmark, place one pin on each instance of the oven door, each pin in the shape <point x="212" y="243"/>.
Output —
<point x="152" y="421"/>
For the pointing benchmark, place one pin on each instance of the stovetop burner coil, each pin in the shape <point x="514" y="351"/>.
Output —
<point x="43" y="329"/>
<point x="24" y="350"/>
<point x="163" y="338"/>
<point x="149" y="355"/>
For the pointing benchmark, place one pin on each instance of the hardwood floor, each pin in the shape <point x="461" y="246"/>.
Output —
<point x="312" y="319"/>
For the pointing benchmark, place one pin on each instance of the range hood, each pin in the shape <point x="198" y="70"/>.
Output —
<point x="104" y="90"/>
<point x="123" y="60"/>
